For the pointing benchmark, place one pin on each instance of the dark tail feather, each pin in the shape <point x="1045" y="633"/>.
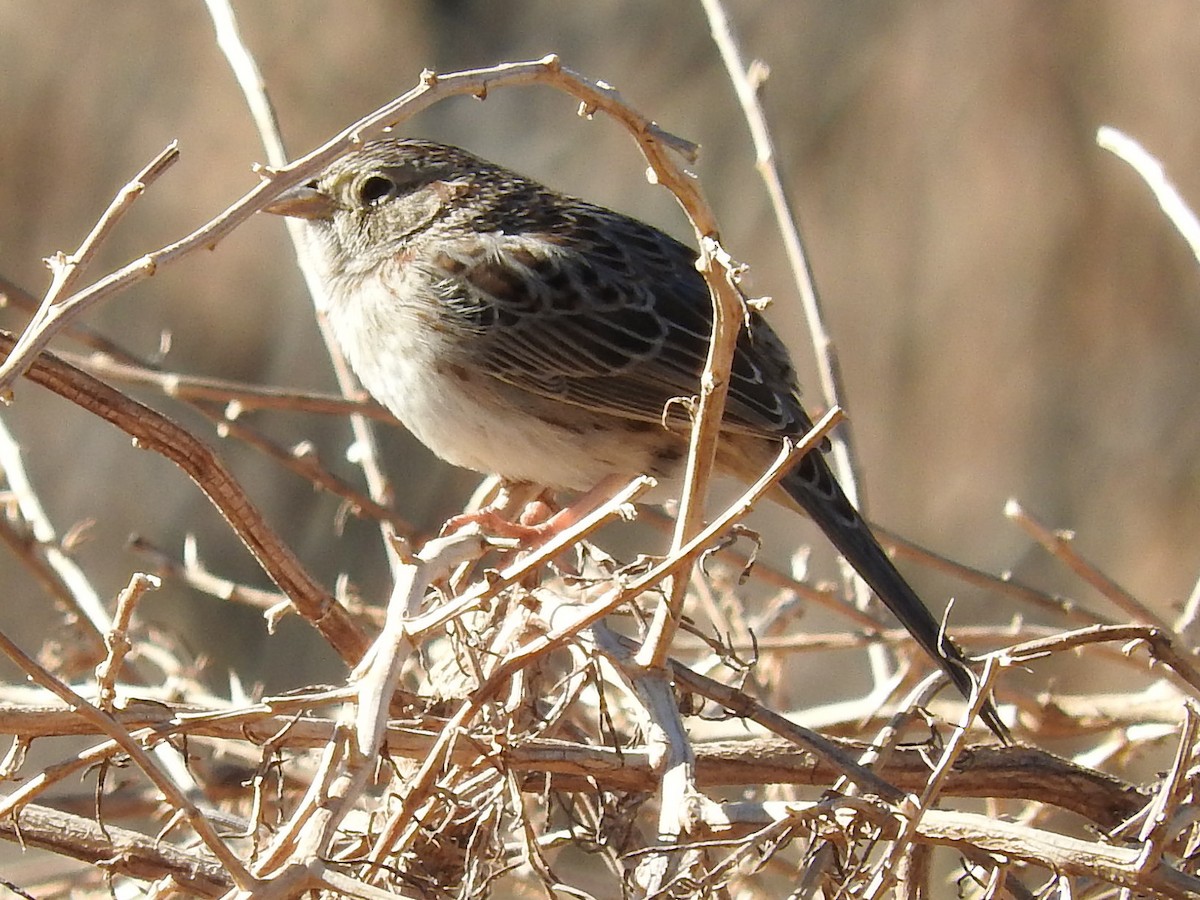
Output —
<point x="812" y="485"/>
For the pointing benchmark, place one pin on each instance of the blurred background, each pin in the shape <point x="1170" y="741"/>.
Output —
<point x="1014" y="315"/>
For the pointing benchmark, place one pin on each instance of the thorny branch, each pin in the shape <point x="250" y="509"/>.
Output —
<point x="544" y="693"/>
<point x="154" y="431"/>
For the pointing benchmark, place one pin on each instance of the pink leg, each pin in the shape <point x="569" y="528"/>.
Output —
<point x="537" y="521"/>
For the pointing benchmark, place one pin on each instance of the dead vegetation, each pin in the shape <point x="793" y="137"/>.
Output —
<point x="556" y="721"/>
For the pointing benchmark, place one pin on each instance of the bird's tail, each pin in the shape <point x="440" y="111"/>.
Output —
<point x="812" y="486"/>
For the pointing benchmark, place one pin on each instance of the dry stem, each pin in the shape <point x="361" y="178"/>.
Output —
<point x="544" y="696"/>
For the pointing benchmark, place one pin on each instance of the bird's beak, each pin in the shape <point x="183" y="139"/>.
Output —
<point x="302" y="202"/>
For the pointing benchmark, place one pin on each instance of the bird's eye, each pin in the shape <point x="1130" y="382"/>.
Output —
<point x="374" y="189"/>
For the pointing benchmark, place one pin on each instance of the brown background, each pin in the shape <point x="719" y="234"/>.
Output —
<point x="1014" y="316"/>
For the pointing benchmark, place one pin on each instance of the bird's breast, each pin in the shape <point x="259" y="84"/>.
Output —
<point x="391" y="333"/>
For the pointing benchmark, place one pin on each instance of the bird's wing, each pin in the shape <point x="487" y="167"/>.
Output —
<point x="609" y="314"/>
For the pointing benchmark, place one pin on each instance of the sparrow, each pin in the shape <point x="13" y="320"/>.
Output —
<point x="519" y="331"/>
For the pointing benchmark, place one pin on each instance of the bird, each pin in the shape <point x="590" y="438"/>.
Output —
<point x="521" y="332"/>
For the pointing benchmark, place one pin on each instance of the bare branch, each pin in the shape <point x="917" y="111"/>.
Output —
<point x="153" y="431"/>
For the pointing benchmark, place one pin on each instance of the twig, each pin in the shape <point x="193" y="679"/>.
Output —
<point x="78" y="590"/>
<point x="153" y="721"/>
<point x="1058" y="543"/>
<point x="911" y="821"/>
<point x="54" y="312"/>
<point x="813" y="641"/>
<point x="34" y="556"/>
<point x="717" y="268"/>
<point x="117" y="639"/>
<point x="763" y="570"/>
<point x="669" y="751"/>
<point x="972" y="832"/>
<point x="284" y="862"/>
<point x="745" y="706"/>
<point x="1155" y="176"/>
<point x="245" y="69"/>
<point x="109" y="726"/>
<point x="377" y="675"/>
<point x="1158" y="641"/>
<point x="67" y="269"/>
<point x="115" y="850"/>
<point x="302" y="461"/>
<point x="1013" y="773"/>
<point x="1155" y="831"/>
<point x="192" y="571"/>
<point x="155" y="432"/>
<point x="238" y="395"/>
<point x="747" y="84"/>
<point x="1060" y="606"/>
<point x="14" y="296"/>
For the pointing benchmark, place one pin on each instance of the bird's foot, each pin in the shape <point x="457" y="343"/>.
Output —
<point x="520" y="512"/>
<point x="532" y="527"/>
<point x="539" y="519"/>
